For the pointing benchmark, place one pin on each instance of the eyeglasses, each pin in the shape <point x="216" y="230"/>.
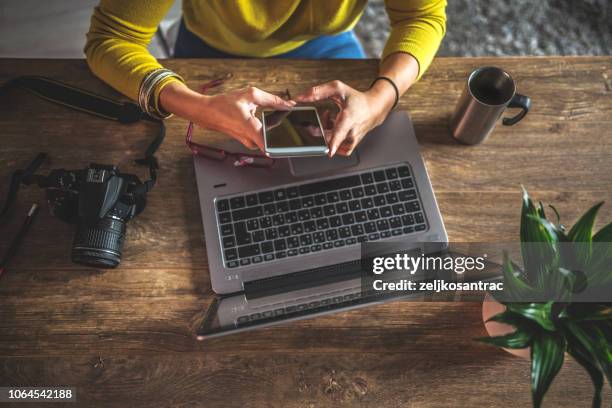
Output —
<point x="207" y="152"/>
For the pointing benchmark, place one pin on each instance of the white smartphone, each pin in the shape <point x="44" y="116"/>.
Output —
<point x="293" y="133"/>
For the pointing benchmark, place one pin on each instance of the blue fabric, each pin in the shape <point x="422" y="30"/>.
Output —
<point x="343" y="45"/>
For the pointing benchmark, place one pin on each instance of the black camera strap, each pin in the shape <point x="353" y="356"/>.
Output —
<point x="84" y="101"/>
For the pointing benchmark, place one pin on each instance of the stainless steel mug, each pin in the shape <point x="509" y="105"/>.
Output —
<point x="489" y="91"/>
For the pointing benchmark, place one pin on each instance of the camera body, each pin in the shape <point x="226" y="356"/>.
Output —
<point x="100" y="201"/>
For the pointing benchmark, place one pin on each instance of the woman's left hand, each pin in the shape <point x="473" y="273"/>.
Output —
<point x="359" y="113"/>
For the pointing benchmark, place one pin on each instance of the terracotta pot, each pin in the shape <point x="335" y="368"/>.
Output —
<point x="491" y="307"/>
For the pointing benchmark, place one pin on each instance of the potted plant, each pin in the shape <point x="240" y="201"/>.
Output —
<point x="557" y="265"/>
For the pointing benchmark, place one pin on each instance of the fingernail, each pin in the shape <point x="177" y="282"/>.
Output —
<point x="333" y="151"/>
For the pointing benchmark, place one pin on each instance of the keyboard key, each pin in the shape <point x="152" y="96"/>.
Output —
<point x="373" y="237"/>
<point x="237" y="202"/>
<point x="354" y="205"/>
<point x="292" y="252"/>
<point x="357" y="229"/>
<point x="293" y="242"/>
<point x="271" y="234"/>
<point x="382" y="225"/>
<point x="250" y="212"/>
<point x="329" y="185"/>
<point x="385" y="234"/>
<point x="259" y="236"/>
<point x="280" y="245"/>
<point x="282" y="206"/>
<point x="331" y="235"/>
<point x="367" y="202"/>
<point x="398" y="209"/>
<point x="265" y="222"/>
<point x="284" y="231"/>
<point x="278" y="219"/>
<point x="329" y="210"/>
<point x="328" y="245"/>
<point x="244" y="262"/>
<point x="269" y="209"/>
<point x="297" y="229"/>
<point x="222" y="205"/>
<point x="320" y="199"/>
<point x="322" y="224"/>
<point x="265" y="197"/>
<point x="280" y="254"/>
<point x="231" y="264"/>
<point x="231" y="254"/>
<point x="379" y="175"/>
<point x="370" y="189"/>
<point x="268" y="257"/>
<point x="318" y="237"/>
<point x="267" y="247"/>
<point x="367" y="178"/>
<point x="391" y="173"/>
<point x="308" y="202"/>
<point x="344" y="232"/>
<point x="412" y="206"/>
<point x="418" y="217"/>
<point x="248" y="251"/>
<point x="382" y="188"/>
<point x="395" y="222"/>
<point x="305" y="240"/>
<point x="295" y="204"/>
<point x="339" y="243"/>
<point x="229" y="242"/>
<point x="226" y="230"/>
<point x="407" y="220"/>
<point x="361" y="216"/>
<point x="225" y="217"/>
<point x="403" y="171"/>
<point x="256" y="259"/>
<point x="291" y="217"/>
<point x="293" y="192"/>
<point x="370" y="227"/>
<point x="333" y="197"/>
<point x="252" y="225"/>
<point x="316" y="248"/>
<point x="407" y="195"/>
<point x="373" y="214"/>
<point x="316" y="212"/>
<point x="243" y="237"/>
<point x="350" y="241"/>
<point x="303" y="215"/>
<point x="280" y="194"/>
<point x="395" y="185"/>
<point x="251" y="200"/>
<point x="341" y="208"/>
<point x="396" y="232"/>
<point x="379" y="201"/>
<point x="385" y="212"/>
<point x="304" y="250"/>
<point x="407" y="183"/>
<point x="357" y="192"/>
<point x="335" y="221"/>
<point x="345" y="195"/>
<point x="421" y="227"/>
<point x="391" y="198"/>
<point x="310" y="226"/>
<point x="348" y="219"/>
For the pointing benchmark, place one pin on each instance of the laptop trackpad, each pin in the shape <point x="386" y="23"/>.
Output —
<point x="308" y="166"/>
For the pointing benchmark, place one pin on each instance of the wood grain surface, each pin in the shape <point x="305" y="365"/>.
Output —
<point x="126" y="336"/>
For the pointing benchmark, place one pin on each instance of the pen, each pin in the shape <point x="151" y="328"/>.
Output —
<point x="14" y="247"/>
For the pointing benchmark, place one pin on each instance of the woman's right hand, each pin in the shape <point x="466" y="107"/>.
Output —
<point x="232" y="113"/>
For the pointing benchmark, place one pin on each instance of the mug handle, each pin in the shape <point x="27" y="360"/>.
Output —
<point x="518" y="101"/>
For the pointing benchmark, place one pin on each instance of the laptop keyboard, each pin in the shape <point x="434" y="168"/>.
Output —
<point x="300" y="219"/>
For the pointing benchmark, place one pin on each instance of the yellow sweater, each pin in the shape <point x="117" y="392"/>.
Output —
<point x="120" y="30"/>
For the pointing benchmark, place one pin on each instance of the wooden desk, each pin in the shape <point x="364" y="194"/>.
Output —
<point x="128" y="334"/>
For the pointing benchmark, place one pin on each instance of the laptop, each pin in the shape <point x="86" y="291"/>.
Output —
<point x="310" y="214"/>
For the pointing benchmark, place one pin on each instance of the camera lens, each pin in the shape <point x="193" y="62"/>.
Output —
<point x="99" y="245"/>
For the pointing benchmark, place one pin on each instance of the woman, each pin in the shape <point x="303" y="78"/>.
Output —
<point x="120" y="30"/>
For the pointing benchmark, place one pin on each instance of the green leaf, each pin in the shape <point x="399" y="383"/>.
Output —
<point x="594" y="340"/>
<point x="515" y="287"/>
<point x="547" y="352"/>
<point x="541" y="313"/>
<point x="604" y="234"/>
<point x="584" y="358"/>
<point x="577" y="312"/>
<point x="517" y="340"/>
<point x="582" y="231"/>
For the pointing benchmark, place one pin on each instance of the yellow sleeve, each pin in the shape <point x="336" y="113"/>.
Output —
<point x="117" y="40"/>
<point x="417" y="28"/>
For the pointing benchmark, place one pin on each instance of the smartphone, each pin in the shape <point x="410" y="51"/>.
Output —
<point x="293" y="133"/>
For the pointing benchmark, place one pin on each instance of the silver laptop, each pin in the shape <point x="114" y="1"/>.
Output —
<point x="310" y="213"/>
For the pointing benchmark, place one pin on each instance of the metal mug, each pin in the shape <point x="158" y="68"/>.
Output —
<point x="487" y="94"/>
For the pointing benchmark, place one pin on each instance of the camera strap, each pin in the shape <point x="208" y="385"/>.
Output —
<point x="93" y="104"/>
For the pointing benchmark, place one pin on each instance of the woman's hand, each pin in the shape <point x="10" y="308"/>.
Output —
<point x="232" y="113"/>
<point x="359" y="113"/>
